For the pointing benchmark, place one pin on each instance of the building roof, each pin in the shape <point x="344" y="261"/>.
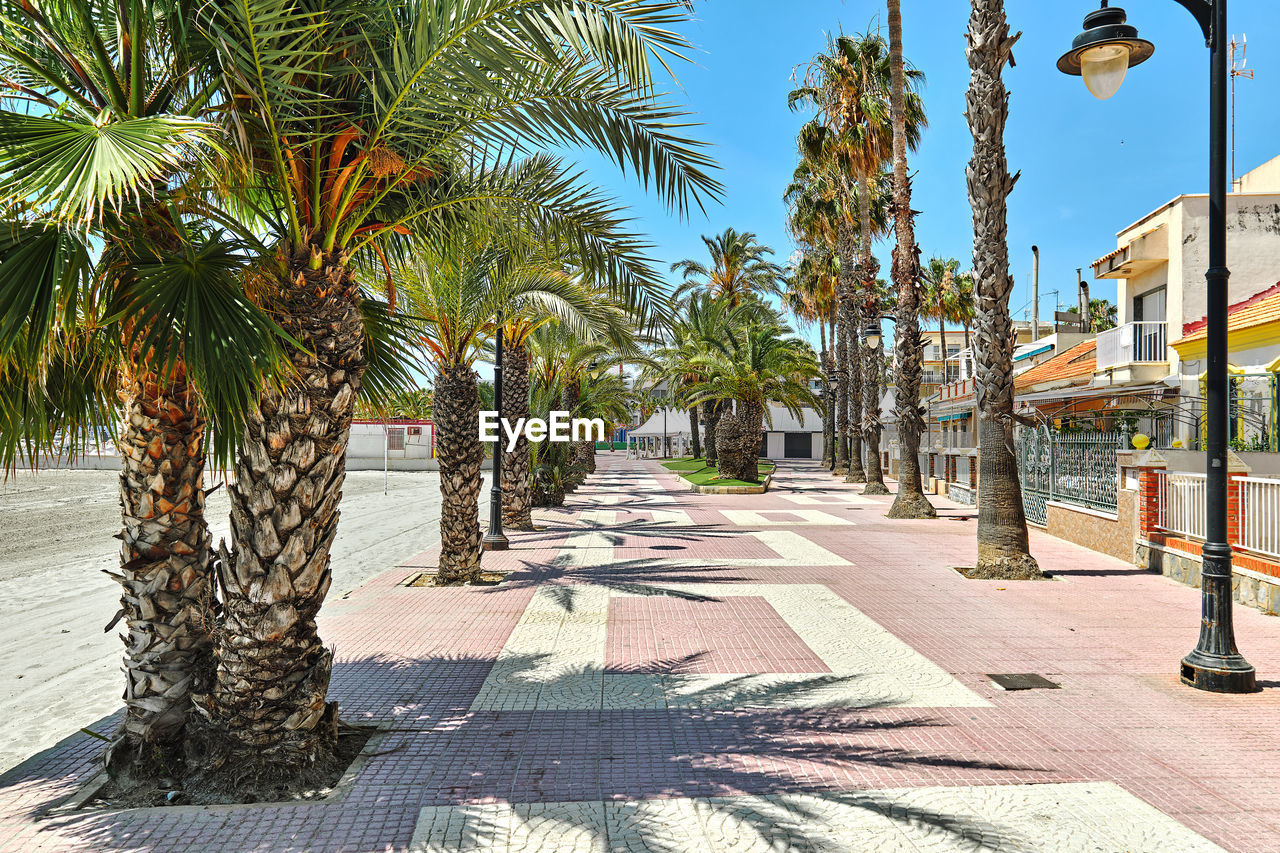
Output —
<point x="1257" y="310"/>
<point x="1078" y="362"/>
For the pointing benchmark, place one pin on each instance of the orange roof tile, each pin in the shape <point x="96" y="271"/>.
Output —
<point x="1080" y="360"/>
<point x="1257" y="310"/>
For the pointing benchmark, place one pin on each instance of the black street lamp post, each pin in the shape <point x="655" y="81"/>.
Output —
<point x="495" y="539"/>
<point x="1102" y="54"/>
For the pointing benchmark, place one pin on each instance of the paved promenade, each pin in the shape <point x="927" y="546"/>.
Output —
<point x="666" y="671"/>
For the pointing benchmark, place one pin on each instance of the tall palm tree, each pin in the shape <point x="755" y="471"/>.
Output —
<point x="947" y="298"/>
<point x="812" y="215"/>
<point x="850" y="85"/>
<point x="369" y="129"/>
<point x="739" y="269"/>
<point x="1004" y="549"/>
<point x="910" y="501"/>
<point x="762" y="365"/>
<point x="878" y="304"/>
<point x="459" y="288"/>
<point x="107" y="138"/>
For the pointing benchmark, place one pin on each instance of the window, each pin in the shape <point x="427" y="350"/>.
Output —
<point x="395" y="438"/>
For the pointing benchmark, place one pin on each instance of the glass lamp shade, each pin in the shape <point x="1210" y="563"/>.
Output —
<point x="1103" y="68"/>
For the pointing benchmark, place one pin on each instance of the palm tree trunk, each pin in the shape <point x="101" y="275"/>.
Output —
<point x="576" y="473"/>
<point x="842" y="387"/>
<point x="1003" y="546"/>
<point x="693" y="431"/>
<point x="517" y="502"/>
<point x="910" y="501"/>
<point x="713" y="410"/>
<point x="869" y="267"/>
<point x="461" y="454"/>
<point x="166" y="571"/>
<point x="850" y="321"/>
<point x="828" y="428"/>
<point x="269" y="698"/>
<point x="942" y="337"/>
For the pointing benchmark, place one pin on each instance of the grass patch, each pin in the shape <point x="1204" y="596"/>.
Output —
<point x="698" y="472"/>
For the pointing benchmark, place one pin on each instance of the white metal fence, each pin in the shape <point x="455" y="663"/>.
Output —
<point x="1260" y="508"/>
<point x="1182" y="503"/>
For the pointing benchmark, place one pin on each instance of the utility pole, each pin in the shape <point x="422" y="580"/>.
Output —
<point x="1086" y="318"/>
<point x="1035" y="294"/>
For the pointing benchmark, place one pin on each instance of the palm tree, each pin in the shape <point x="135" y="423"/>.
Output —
<point x="1004" y="549"/>
<point x="371" y="129"/>
<point x="910" y="501"/>
<point x="762" y="365"/>
<point x="1102" y="315"/>
<point x="738" y="270"/>
<point x="947" y="298"/>
<point x="852" y="136"/>
<point x="878" y="304"/>
<point x="459" y="289"/>
<point x="106" y="139"/>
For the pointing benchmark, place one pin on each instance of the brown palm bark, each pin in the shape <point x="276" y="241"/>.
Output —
<point x="910" y="501"/>
<point x="461" y="455"/>
<point x="576" y="474"/>
<point x="738" y="435"/>
<point x="868" y="269"/>
<point x="842" y="385"/>
<point x="713" y="411"/>
<point x="517" y="503"/>
<point x="1003" y="546"/>
<point x="828" y="405"/>
<point x="850" y="323"/>
<point x="693" y="431"/>
<point x="268" y="706"/>
<point x="165" y="571"/>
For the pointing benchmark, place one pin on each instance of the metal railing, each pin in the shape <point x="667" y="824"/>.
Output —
<point x="1260" y="510"/>
<point x="1181" y="503"/>
<point x="1132" y="343"/>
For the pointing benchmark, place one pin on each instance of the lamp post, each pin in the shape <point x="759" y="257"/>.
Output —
<point x="495" y="539"/>
<point x="1102" y="54"/>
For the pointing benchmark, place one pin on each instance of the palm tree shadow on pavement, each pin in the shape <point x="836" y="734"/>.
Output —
<point x="439" y="752"/>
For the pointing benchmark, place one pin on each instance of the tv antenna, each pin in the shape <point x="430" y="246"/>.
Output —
<point x="1237" y="70"/>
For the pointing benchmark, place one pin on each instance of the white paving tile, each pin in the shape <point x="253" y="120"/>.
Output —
<point x="781" y="517"/>
<point x="555" y="658"/>
<point x="1075" y="817"/>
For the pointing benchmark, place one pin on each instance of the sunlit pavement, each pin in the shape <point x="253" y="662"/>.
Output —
<point x="789" y="671"/>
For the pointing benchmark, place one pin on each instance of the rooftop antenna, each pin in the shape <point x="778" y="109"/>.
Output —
<point x="1237" y="70"/>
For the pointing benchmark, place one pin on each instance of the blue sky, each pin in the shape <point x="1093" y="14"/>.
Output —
<point x="1089" y="167"/>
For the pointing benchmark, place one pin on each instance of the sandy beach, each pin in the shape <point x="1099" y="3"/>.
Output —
<point x="58" y="670"/>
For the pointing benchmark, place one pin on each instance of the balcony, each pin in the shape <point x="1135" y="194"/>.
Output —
<point x="1132" y="343"/>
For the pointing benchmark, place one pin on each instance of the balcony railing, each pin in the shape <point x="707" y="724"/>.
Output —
<point x="1132" y="343"/>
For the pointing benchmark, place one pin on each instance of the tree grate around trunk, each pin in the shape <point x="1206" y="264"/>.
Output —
<point x="429" y="579"/>
<point x="327" y="781"/>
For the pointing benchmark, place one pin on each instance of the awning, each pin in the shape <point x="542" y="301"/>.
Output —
<point x="955" y="416"/>
<point x="1082" y="391"/>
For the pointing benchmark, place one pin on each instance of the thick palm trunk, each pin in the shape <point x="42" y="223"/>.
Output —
<point x="165" y="570"/>
<point x="517" y="502"/>
<point x="1003" y="546"/>
<point x="693" y="431"/>
<point x="942" y="337"/>
<point x="852" y="319"/>
<point x="461" y="455"/>
<point x="713" y="411"/>
<point x="269" y="698"/>
<point x="910" y="501"/>
<point x="738" y="435"/>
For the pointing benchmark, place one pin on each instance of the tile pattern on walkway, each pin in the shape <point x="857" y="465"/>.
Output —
<point x="1122" y="746"/>
<point x="1013" y="818"/>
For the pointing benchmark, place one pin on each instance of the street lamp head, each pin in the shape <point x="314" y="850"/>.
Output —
<point x="1105" y="51"/>
<point x="871" y="334"/>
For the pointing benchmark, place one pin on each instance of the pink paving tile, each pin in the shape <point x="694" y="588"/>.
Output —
<point x="737" y="634"/>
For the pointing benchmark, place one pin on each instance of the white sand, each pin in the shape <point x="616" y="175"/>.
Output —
<point x="58" y="670"/>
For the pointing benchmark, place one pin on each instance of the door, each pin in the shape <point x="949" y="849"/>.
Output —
<point x="797" y="445"/>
